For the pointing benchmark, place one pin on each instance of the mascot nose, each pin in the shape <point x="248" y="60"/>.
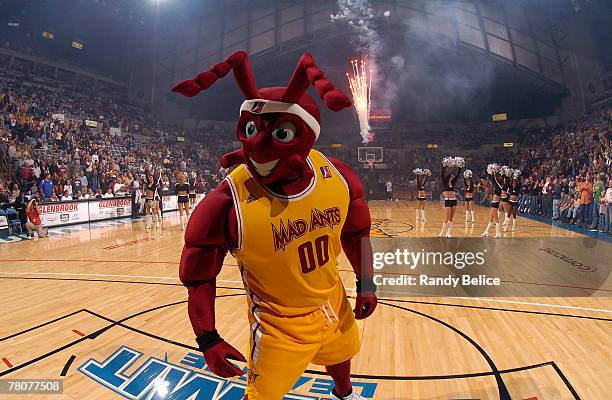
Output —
<point x="261" y="147"/>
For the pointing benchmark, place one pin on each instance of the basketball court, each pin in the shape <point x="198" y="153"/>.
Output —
<point x="101" y="308"/>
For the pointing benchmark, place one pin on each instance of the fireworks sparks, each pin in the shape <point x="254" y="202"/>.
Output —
<point x="360" y="83"/>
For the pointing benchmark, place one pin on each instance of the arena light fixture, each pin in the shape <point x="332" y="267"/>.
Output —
<point x="77" y="45"/>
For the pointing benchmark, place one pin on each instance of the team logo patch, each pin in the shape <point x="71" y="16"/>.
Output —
<point x="257" y="107"/>
<point x="326" y="172"/>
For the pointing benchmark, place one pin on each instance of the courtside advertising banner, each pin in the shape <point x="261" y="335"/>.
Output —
<point x="170" y="202"/>
<point x="56" y="214"/>
<point x="110" y="208"/>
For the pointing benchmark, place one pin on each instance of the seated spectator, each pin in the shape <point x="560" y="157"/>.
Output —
<point x="66" y="196"/>
<point x="575" y="211"/>
<point x="108" y="194"/>
<point x="54" y="197"/>
<point x="566" y="207"/>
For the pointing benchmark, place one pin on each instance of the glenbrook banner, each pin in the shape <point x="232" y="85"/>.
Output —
<point x="84" y="211"/>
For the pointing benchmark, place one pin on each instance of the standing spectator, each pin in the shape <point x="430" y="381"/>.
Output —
<point x="556" y="198"/>
<point x="608" y="201"/>
<point x="46" y="186"/>
<point x="119" y="188"/>
<point x="598" y="188"/>
<point x="585" y="188"/>
<point x="547" y="203"/>
<point x="84" y="182"/>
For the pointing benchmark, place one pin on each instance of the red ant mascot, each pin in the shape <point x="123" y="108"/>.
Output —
<point x="285" y="213"/>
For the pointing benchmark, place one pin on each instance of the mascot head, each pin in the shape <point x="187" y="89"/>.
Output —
<point x="277" y="126"/>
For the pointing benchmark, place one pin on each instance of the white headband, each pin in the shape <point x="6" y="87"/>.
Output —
<point x="262" y="106"/>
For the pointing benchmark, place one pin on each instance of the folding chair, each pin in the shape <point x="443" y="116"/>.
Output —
<point x="13" y="220"/>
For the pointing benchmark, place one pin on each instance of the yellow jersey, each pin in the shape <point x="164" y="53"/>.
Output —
<point x="288" y="245"/>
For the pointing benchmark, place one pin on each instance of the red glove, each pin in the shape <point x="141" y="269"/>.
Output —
<point x="365" y="304"/>
<point x="216" y="359"/>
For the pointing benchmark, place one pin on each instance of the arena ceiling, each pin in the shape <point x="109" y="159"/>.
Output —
<point x="469" y="57"/>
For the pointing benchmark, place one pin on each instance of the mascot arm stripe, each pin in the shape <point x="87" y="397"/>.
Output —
<point x="355" y="236"/>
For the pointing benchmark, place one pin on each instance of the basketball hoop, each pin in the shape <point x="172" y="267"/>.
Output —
<point x="370" y="158"/>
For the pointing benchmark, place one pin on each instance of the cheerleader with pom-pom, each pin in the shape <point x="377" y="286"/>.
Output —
<point x="504" y="206"/>
<point x="468" y="192"/>
<point x="514" y="191"/>
<point x="448" y="191"/>
<point x="421" y="178"/>
<point x="496" y="179"/>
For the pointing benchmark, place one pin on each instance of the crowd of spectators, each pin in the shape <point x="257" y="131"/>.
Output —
<point x="566" y="170"/>
<point x="53" y="155"/>
<point x="59" y="158"/>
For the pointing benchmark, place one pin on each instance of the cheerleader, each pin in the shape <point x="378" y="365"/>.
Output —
<point x="504" y="208"/>
<point x="192" y="190"/>
<point x="514" y="191"/>
<point x="495" y="179"/>
<point x="421" y="178"/>
<point x="152" y="202"/>
<point x="182" y="189"/>
<point x="448" y="191"/>
<point x="468" y="191"/>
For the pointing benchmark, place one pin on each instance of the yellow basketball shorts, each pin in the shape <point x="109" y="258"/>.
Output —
<point x="282" y="347"/>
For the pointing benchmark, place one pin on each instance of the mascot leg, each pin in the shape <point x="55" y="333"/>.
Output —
<point x="341" y="374"/>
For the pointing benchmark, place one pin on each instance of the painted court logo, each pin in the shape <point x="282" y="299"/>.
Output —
<point x="160" y="379"/>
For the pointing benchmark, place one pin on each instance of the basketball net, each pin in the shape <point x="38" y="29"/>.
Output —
<point x="370" y="164"/>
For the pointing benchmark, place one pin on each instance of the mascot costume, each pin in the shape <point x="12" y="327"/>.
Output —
<point x="285" y="213"/>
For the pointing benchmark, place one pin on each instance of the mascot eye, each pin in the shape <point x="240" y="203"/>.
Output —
<point x="285" y="132"/>
<point x="250" y="129"/>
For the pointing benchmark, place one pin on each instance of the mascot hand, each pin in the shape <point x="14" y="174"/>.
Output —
<point x="216" y="359"/>
<point x="365" y="304"/>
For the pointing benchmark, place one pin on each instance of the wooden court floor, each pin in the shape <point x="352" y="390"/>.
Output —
<point x="102" y="309"/>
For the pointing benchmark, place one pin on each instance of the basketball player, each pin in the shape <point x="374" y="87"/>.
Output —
<point x="496" y="183"/>
<point x="285" y="213"/>
<point x="468" y="192"/>
<point x="514" y="191"/>
<point x="151" y="202"/>
<point x="192" y="189"/>
<point x="421" y="178"/>
<point x="389" y="189"/>
<point x="182" y="189"/>
<point x="450" y="197"/>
